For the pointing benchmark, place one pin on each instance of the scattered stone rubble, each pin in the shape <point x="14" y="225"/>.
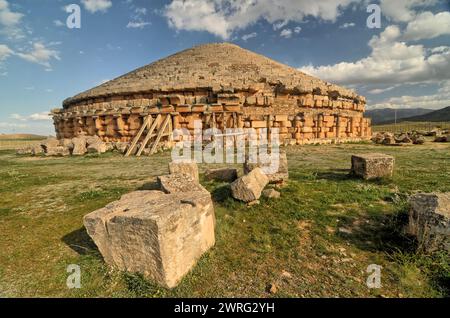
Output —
<point x="387" y="138"/>
<point x="429" y="220"/>
<point x="372" y="166"/>
<point x="413" y="137"/>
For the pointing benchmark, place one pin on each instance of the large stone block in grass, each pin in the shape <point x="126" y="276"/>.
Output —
<point x="249" y="187"/>
<point x="153" y="233"/>
<point x="373" y="165"/>
<point x="429" y="220"/>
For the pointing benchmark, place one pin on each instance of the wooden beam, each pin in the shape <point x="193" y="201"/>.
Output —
<point x="149" y="135"/>
<point x="138" y="136"/>
<point x="160" y="134"/>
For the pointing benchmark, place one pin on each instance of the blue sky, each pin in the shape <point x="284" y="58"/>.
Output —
<point x="405" y="63"/>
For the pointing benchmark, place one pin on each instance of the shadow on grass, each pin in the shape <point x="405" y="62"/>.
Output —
<point x="334" y="175"/>
<point x="386" y="234"/>
<point x="149" y="186"/>
<point x="80" y="242"/>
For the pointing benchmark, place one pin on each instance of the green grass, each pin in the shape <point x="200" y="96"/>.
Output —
<point x="324" y="231"/>
<point x="13" y="144"/>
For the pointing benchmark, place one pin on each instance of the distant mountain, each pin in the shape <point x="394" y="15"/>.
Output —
<point x="387" y="115"/>
<point x="437" y="115"/>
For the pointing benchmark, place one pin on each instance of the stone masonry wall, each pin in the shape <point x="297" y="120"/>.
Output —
<point x="301" y="117"/>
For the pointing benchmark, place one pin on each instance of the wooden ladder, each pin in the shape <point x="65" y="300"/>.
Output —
<point x="151" y="124"/>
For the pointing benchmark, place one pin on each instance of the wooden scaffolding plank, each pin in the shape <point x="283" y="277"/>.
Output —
<point x="138" y="136"/>
<point x="160" y="134"/>
<point x="149" y="135"/>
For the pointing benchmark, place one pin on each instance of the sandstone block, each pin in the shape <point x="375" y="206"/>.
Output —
<point x="58" y="151"/>
<point x="174" y="183"/>
<point x="79" y="146"/>
<point x="98" y="147"/>
<point x="249" y="187"/>
<point x="372" y="165"/>
<point x="188" y="168"/>
<point x="225" y="175"/>
<point x="50" y="142"/>
<point x="271" y="194"/>
<point x="429" y="220"/>
<point x="158" y="235"/>
<point x="280" y="176"/>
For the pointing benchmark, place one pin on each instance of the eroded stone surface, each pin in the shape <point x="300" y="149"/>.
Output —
<point x="429" y="220"/>
<point x="372" y="166"/>
<point x="174" y="183"/>
<point x="282" y="175"/>
<point x="249" y="187"/>
<point x="158" y="235"/>
<point x="186" y="168"/>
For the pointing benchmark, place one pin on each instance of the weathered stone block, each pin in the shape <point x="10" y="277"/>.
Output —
<point x="429" y="220"/>
<point x="271" y="194"/>
<point x="79" y="146"/>
<point x="249" y="187"/>
<point x="225" y="174"/>
<point x="58" y="151"/>
<point x="98" y="147"/>
<point x="277" y="177"/>
<point x="188" y="168"/>
<point x="158" y="235"/>
<point x="174" y="183"/>
<point x="372" y="165"/>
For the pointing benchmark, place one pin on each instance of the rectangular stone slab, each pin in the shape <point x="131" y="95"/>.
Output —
<point x="372" y="166"/>
<point x="158" y="235"/>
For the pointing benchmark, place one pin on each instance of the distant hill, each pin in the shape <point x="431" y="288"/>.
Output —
<point x="21" y="137"/>
<point x="437" y="115"/>
<point x="387" y="115"/>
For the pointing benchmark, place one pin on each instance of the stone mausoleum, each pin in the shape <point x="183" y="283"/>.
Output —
<point x="222" y="85"/>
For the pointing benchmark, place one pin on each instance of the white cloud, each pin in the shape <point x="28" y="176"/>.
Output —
<point x="223" y="17"/>
<point x="403" y="10"/>
<point x="391" y="61"/>
<point x="434" y="101"/>
<point x="42" y="116"/>
<point x="97" y="5"/>
<point x="7" y="17"/>
<point x="40" y="55"/>
<point x="249" y="36"/>
<point x="297" y="29"/>
<point x="376" y="91"/>
<point x="427" y="26"/>
<point x="286" y="33"/>
<point x="137" y="24"/>
<point x="58" y="23"/>
<point x="347" y="25"/>
<point x="5" y="52"/>
<point x="10" y="21"/>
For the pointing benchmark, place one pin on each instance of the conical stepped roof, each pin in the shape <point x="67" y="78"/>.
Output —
<point x="214" y="66"/>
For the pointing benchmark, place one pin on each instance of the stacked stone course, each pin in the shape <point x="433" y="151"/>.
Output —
<point x="224" y="86"/>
